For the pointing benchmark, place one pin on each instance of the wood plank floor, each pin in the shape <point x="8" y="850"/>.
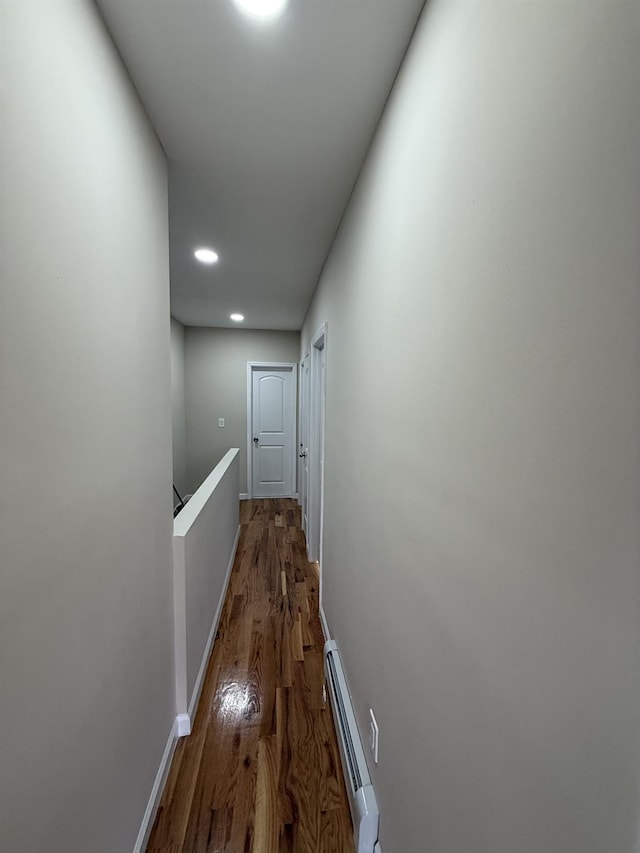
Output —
<point x="260" y="772"/>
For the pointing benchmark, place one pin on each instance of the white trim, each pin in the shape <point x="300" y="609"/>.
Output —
<point x="156" y="790"/>
<point x="269" y="365"/>
<point x="249" y="483"/>
<point x="197" y="688"/>
<point x="325" y="625"/>
<point x="304" y="437"/>
<point x="299" y="442"/>
<point x="244" y="496"/>
<point x="318" y="400"/>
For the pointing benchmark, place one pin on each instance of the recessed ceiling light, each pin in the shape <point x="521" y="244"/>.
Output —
<point x="237" y="318"/>
<point x="262" y="9"/>
<point x="206" y="256"/>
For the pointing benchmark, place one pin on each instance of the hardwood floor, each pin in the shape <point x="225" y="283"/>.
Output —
<point x="260" y="772"/>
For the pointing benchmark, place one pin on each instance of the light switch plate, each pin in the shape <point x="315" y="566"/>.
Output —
<point x="220" y="422"/>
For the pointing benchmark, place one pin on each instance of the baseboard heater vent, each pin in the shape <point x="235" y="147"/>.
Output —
<point x="362" y="799"/>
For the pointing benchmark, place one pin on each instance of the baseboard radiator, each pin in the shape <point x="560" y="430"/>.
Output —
<point x="362" y="799"/>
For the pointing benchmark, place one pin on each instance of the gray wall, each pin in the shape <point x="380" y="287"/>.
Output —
<point x="216" y="387"/>
<point x="483" y="419"/>
<point x="178" y="408"/>
<point x="86" y="669"/>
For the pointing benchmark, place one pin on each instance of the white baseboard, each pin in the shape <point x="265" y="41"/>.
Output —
<point x="156" y="791"/>
<point x="244" y="496"/>
<point x="197" y="689"/>
<point x="325" y="626"/>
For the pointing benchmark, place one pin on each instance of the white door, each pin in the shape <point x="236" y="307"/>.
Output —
<point x="272" y="438"/>
<point x="303" y="446"/>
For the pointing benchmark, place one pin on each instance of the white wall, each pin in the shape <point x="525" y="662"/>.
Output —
<point x="86" y="658"/>
<point x="205" y="536"/>
<point x="483" y="419"/>
<point x="216" y="387"/>
<point x="178" y="408"/>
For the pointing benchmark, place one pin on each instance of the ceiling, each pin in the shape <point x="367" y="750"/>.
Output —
<point x="265" y="126"/>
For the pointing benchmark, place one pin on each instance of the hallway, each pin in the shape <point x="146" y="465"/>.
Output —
<point x="261" y="771"/>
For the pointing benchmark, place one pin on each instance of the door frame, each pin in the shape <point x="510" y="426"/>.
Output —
<point x="303" y="435"/>
<point x="317" y="421"/>
<point x="270" y="365"/>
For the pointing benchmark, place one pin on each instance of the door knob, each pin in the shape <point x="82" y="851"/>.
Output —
<point x="303" y="456"/>
<point x="255" y="440"/>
